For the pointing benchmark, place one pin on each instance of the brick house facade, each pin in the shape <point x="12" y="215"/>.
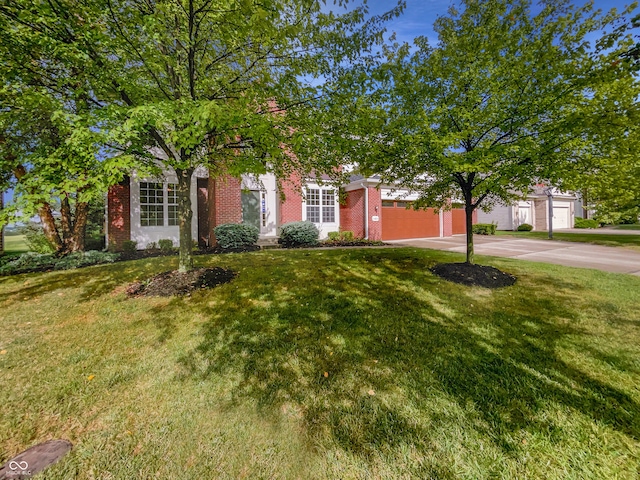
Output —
<point x="143" y="210"/>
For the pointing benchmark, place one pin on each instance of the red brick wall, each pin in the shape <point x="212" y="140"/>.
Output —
<point x="227" y="200"/>
<point x="119" y="214"/>
<point x="291" y="206"/>
<point x="352" y="213"/>
<point x="375" y="208"/>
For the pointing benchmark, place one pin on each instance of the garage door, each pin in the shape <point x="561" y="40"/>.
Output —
<point x="561" y="217"/>
<point x="459" y="220"/>
<point x="399" y="222"/>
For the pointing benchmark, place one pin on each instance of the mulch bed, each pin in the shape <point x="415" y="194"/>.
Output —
<point x="140" y="254"/>
<point x="474" y="275"/>
<point x="168" y="284"/>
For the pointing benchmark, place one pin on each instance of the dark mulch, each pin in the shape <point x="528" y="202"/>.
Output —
<point x="352" y="243"/>
<point x="474" y="275"/>
<point x="140" y="254"/>
<point x="172" y="283"/>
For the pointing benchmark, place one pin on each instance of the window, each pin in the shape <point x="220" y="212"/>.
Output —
<point x="172" y="201"/>
<point x="402" y="204"/>
<point x="328" y="206"/>
<point x="151" y="204"/>
<point x="387" y="203"/>
<point x="321" y="205"/>
<point x="313" y="205"/>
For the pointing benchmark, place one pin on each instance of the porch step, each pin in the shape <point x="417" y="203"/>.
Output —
<point x="268" y="242"/>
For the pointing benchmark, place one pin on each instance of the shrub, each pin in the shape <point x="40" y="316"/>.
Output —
<point x="484" y="229"/>
<point x="334" y="236"/>
<point x="299" y="234"/>
<point x="35" y="238"/>
<point x="29" y="262"/>
<point x="166" y="245"/>
<point x="151" y="246"/>
<point x="586" y="223"/>
<point x="525" y="227"/>
<point x="83" y="259"/>
<point x="129" y="246"/>
<point x="236" y="235"/>
<point x="347" y="236"/>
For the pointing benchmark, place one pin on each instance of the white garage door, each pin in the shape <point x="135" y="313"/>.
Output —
<point x="561" y="217"/>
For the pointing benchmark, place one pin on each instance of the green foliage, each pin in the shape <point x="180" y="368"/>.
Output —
<point x="30" y="262"/>
<point x="151" y="246"/>
<point x="299" y="234"/>
<point x="484" y="229"/>
<point x="334" y="235"/>
<point x="508" y="95"/>
<point x="346" y="235"/>
<point x="36" y="239"/>
<point x="236" y="235"/>
<point x="525" y="227"/>
<point x="585" y="223"/>
<point x="165" y="245"/>
<point x="129" y="246"/>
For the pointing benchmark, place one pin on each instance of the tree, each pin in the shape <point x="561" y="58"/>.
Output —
<point x="50" y="157"/>
<point x="495" y="107"/>
<point x="203" y="82"/>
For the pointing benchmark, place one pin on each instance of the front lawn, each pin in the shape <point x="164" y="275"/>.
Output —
<point x="346" y="363"/>
<point x="611" y="240"/>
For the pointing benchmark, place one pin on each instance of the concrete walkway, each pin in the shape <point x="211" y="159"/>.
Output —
<point x="570" y="254"/>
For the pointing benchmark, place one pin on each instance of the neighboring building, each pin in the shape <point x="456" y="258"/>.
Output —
<point x="534" y="210"/>
<point x="145" y="209"/>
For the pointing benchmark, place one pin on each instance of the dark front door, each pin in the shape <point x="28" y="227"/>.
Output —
<point x="251" y="208"/>
<point x="203" y="212"/>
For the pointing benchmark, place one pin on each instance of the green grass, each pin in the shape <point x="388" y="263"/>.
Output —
<point x="15" y="244"/>
<point x="628" y="227"/>
<point x="346" y="363"/>
<point x="612" y="240"/>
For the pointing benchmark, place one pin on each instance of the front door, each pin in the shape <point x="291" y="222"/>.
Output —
<point x="251" y="208"/>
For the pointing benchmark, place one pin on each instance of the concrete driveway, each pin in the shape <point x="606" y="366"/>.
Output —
<point x="570" y="254"/>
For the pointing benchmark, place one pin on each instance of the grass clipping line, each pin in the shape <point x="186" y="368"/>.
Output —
<point x="168" y="284"/>
<point x="474" y="275"/>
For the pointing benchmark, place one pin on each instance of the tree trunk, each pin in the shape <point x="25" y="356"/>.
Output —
<point x="185" y="215"/>
<point x="468" y="210"/>
<point x="49" y="227"/>
<point x="76" y="243"/>
<point x="66" y="223"/>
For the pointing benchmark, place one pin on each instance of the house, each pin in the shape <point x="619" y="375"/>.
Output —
<point x="534" y="210"/>
<point x="144" y="210"/>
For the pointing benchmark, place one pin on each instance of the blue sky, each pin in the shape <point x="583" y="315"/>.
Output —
<point x="419" y="15"/>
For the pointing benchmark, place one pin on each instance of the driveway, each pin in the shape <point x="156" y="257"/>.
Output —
<point x="570" y="254"/>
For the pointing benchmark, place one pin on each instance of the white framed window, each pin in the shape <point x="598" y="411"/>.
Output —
<point x="158" y="204"/>
<point x="320" y="205"/>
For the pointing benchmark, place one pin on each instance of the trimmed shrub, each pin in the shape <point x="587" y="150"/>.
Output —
<point x="236" y="235"/>
<point x="586" y="223"/>
<point x="84" y="259"/>
<point x="299" y="234"/>
<point x="165" y="245"/>
<point x="484" y="229"/>
<point x="525" y="227"/>
<point x="129" y="246"/>
<point x="334" y="236"/>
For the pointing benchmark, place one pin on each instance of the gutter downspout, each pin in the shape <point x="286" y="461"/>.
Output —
<point x="366" y="211"/>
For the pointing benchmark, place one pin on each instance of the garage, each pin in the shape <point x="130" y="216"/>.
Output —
<point x="399" y="222"/>
<point x="561" y="215"/>
<point x="459" y="221"/>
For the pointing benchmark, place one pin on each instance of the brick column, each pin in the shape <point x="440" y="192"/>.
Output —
<point x="375" y="200"/>
<point x="352" y="213"/>
<point x="225" y="202"/>
<point x="291" y="206"/>
<point x="447" y="223"/>
<point x="119" y="214"/>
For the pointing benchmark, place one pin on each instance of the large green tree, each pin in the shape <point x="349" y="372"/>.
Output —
<point x="203" y="82"/>
<point x="502" y="101"/>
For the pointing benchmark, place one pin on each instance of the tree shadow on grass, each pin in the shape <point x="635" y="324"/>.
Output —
<point x="358" y="348"/>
